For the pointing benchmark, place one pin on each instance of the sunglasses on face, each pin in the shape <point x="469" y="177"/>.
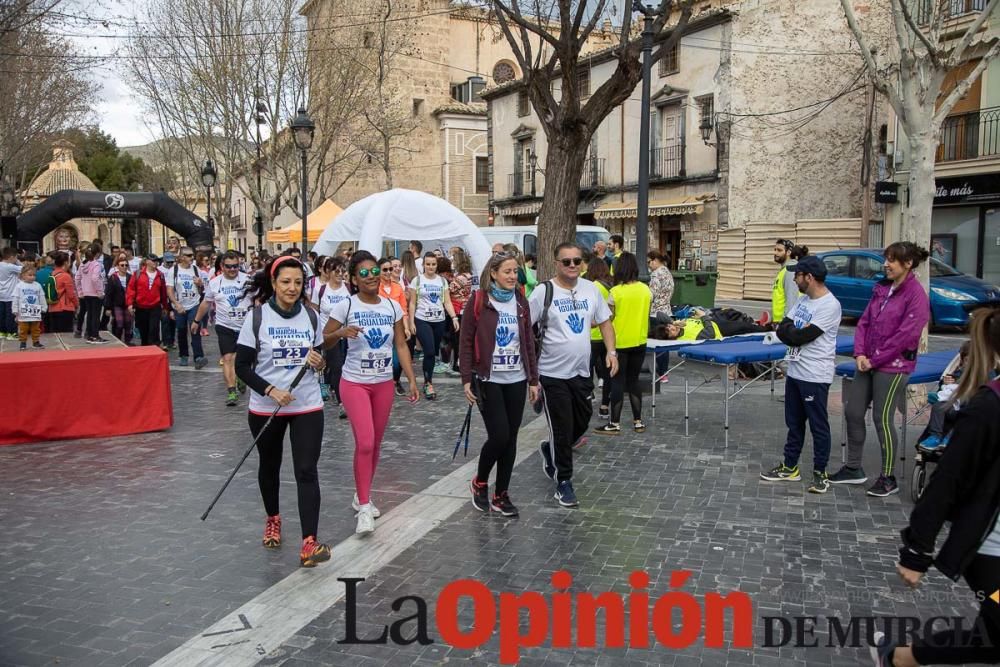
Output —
<point x="186" y="254"/>
<point x="374" y="271"/>
<point x="575" y="261"/>
<point x="230" y="266"/>
<point x="123" y="264"/>
<point x="386" y="269"/>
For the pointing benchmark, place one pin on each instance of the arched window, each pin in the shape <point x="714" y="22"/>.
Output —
<point x="503" y="71"/>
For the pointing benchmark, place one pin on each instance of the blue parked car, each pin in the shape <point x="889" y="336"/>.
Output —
<point x="852" y="274"/>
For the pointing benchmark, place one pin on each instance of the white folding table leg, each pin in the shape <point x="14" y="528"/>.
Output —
<point x="725" y="398"/>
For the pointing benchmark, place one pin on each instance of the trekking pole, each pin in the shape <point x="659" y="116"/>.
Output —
<point x="464" y="433"/>
<point x="246" y="454"/>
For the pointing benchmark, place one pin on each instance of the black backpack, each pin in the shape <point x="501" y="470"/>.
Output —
<point x="543" y="322"/>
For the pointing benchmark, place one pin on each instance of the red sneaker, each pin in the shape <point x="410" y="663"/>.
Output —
<point x="313" y="552"/>
<point x="272" y="532"/>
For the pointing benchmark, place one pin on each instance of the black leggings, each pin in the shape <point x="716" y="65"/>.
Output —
<point x="599" y="365"/>
<point x="502" y="408"/>
<point x="335" y="357"/>
<point x="949" y="647"/>
<point x="430" y="334"/>
<point x="307" y="438"/>
<point x="627" y="380"/>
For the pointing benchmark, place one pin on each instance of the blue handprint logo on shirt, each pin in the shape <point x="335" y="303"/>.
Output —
<point x="31" y="299"/>
<point x="233" y="300"/>
<point x="575" y="323"/>
<point x="433" y="296"/>
<point x="187" y="284"/>
<point x="504" y="337"/>
<point x="376" y="339"/>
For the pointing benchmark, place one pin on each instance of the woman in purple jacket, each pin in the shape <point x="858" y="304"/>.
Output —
<point x="885" y="349"/>
<point x="498" y="364"/>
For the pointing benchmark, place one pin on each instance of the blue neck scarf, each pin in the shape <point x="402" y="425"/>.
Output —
<point x="500" y="294"/>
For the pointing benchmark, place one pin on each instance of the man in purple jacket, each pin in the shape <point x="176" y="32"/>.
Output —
<point x="885" y="349"/>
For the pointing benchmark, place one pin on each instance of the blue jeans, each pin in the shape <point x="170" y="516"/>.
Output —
<point x="806" y="401"/>
<point x="184" y="321"/>
<point x="430" y="335"/>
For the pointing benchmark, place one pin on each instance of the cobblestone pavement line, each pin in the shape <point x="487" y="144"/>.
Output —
<point x="246" y="635"/>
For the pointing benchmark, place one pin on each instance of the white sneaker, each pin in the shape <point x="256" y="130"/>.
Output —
<point x="356" y="506"/>
<point x="366" y="522"/>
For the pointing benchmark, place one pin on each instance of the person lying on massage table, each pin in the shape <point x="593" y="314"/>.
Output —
<point x="716" y="325"/>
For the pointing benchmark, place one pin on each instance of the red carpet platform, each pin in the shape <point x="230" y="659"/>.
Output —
<point x="83" y="393"/>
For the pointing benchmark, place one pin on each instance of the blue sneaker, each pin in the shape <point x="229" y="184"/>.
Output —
<point x="932" y="442"/>
<point x="565" y="495"/>
<point x="547" y="466"/>
<point x="183" y="361"/>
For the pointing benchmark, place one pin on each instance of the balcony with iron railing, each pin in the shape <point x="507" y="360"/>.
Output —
<point x="968" y="136"/>
<point x="593" y="174"/>
<point x="948" y="9"/>
<point x="524" y="183"/>
<point x="667" y="162"/>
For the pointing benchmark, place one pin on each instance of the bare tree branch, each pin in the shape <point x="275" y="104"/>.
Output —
<point x="932" y="50"/>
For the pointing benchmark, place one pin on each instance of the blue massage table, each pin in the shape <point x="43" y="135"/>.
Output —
<point x="930" y="367"/>
<point x="723" y="353"/>
<point x="658" y="347"/>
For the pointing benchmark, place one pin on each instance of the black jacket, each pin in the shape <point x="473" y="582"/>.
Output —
<point x="964" y="489"/>
<point x="114" y="293"/>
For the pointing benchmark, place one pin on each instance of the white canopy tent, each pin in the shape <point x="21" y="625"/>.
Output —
<point x="405" y="215"/>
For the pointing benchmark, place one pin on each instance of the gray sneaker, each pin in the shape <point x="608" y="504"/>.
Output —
<point x="849" y="476"/>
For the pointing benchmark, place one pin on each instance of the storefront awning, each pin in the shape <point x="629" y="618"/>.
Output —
<point x="686" y="206"/>
<point x="527" y="208"/>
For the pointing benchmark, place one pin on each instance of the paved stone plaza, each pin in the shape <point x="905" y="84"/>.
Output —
<point x="106" y="563"/>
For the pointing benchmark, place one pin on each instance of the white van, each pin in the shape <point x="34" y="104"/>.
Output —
<point x="525" y="237"/>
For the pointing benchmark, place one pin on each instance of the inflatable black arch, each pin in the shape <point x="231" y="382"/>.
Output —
<point x="65" y="205"/>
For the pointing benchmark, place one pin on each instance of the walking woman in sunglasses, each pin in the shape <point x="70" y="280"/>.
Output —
<point x="372" y="326"/>
<point x="498" y="368"/>
<point x="430" y="301"/>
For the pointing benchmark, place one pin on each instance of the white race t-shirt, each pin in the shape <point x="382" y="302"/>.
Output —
<point x="369" y="356"/>
<point x="566" y="347"/>
<point x="430" y="295"/>
<point x="507" y="365"/>
<point x="815" y="361"/>
<point x="330" y="298"/>
<point x="284" y="345"/>
<point x="231" y="306"/>
<point x="185" y="291"/>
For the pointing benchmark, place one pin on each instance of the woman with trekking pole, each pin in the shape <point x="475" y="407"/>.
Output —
<point x="372" y="325"/>
<point x="278" y="338"/>
<point x="498" y="367"/>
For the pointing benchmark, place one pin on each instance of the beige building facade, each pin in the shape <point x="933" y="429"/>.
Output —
<point x="726" y="148"/>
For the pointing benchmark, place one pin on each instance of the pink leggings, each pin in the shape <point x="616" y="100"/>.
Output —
<point x="368" y="407"/>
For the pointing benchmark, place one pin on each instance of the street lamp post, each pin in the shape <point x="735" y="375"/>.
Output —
<point x="642" y="205"/>
<point x="259" y="110"/>
<point x="533" y="163"/>
<point x="303" y="130"/>
<point x="208" y="175"/>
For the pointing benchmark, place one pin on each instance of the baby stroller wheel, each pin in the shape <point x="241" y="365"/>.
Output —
<point x="919" y="480"/>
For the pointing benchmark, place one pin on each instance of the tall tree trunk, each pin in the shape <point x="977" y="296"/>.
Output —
<point x="920" y="201"/>
<point x="557" y="218"/>
<point x="920" y="196"/>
